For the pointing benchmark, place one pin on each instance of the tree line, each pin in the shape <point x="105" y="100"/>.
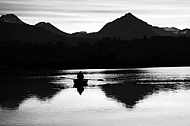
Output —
<point x="155" y="50"/>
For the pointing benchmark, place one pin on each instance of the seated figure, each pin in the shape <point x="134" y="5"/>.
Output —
<point x="80" y="76"/>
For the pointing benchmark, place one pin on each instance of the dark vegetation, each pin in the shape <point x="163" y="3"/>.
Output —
<point x="107" y="52"/>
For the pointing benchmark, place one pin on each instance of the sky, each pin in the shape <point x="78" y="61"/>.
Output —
<point x="91" y="15"/>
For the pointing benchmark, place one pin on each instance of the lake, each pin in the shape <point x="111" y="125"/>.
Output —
<point x="117" y="97"/>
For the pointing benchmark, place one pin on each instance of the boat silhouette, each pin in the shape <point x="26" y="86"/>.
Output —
<point x="78" y="83"/>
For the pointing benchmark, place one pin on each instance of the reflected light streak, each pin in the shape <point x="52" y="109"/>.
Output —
<point x="164" y="74"/>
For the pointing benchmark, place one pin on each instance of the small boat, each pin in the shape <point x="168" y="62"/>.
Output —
<point x="78" y="83"/>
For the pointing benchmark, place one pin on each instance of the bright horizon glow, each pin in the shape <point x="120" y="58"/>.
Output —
<point x="85" y="15"/>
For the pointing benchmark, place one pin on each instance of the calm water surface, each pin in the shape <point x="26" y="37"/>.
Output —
<point x="116" y="97"/>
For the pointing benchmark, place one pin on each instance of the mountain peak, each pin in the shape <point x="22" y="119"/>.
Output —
<point x="129" y="15"/>
<point x="11" y="18"/>
<point x="43" y="23"/>
<point x="127" y="27"/>
<point x="48" y="26"/>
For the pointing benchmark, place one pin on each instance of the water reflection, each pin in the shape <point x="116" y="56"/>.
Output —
<point x="13" y="91"/>
<point x="132" y="93"/>
<point x="80" y="90"/>
<point x="133" y="85"/>
<point x="129" y="94"/>
<point x="128" y="86"/>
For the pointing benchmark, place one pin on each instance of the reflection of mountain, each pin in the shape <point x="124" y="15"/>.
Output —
<point x="131" y="94"/>
<point x="14" y="91"/>
<point x="128" y="94"/>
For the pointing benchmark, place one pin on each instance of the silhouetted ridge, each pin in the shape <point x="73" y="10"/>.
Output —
<point x="34" y="34"/>
<point x="48" y="26"/>
<point x="81" y="33"/>
<point x="127" y="27"/>
<point x="26" y="33"/>
<point x="130" y="15"/>
<point x="187" y="32"/>
<point x="11" y="18"/>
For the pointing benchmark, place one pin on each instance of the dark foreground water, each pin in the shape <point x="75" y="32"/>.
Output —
<point x="116" y="97"/>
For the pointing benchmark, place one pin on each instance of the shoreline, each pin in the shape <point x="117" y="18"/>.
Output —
<point x="101" y="64"/>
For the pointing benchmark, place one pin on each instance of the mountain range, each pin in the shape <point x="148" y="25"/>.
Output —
<point x="127" y="27"/>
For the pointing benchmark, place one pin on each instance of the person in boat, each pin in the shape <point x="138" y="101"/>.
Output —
<point x="80" y="82"/>
<point x="80" y="76"/>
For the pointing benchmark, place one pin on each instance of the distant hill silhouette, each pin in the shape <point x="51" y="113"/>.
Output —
<point x="81" y="33"/>
<point x="172" y="29"/>
<point x="11" y="18"/>
<point x="13" y="29"/>
<point x="184" y="32"/>
<point x="127" y="27"/>
<point x="26" y="33"/>
<point x="162" y="31"/>
<point x="48" y="26"/>
<point x="171" y="32"/>
<point x="177" y="32"/>
<point x="187" y="32"/>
